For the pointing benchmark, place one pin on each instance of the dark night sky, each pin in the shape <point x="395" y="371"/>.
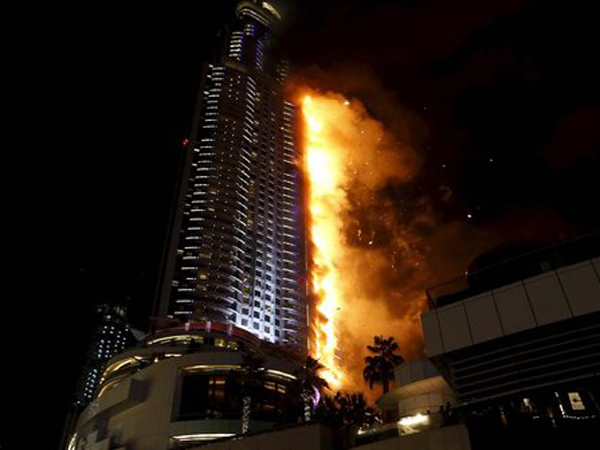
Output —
<point x="505" y="94"/>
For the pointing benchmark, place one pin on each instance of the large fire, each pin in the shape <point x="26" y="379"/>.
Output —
<point x="347" y="157"/>
<point x="376" y="240"/>
<point x="325" y="177"/>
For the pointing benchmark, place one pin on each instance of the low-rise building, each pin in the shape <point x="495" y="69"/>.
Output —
<point x="183" y="386"/>
<point x="519" y="344"/>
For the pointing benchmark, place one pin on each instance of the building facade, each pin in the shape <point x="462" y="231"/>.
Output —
<point x="519" y="346"/>
<point x="236" y="253"/>
<point x="186" y="385"/>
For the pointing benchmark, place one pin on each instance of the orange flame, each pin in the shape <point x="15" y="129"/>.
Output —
<point x="372" y="255"/>
<point x="348" y="156"/>
<point x="324" y="171"/>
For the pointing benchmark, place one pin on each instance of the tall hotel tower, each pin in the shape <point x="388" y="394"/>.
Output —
<point x="236" y="251"/>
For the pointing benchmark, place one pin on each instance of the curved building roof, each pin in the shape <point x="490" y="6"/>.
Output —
<point x="264" y="12"/>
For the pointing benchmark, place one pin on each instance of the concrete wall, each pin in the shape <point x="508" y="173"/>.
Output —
<point x="424" y="403"/>
<point x="312" y="437"/>
<point x="420" y="388"/>
<point x="412" y="371"/>
<point x="553" y="296"/>
<point x="453" y="437"/>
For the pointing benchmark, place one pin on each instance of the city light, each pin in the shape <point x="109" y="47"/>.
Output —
<point x="410" y="421"/>
<point x="201" y="437"/>
<point x="413" y="424"/>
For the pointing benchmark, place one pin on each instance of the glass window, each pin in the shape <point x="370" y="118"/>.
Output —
<point x="205" y="396"/>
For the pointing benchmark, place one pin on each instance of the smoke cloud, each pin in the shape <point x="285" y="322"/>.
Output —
<point x="388" y="252"/>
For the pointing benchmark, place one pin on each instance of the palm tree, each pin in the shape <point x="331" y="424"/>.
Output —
<point x="380" y="367"/>
<point x="250" y="380"/>
<point x="308" y="382"/>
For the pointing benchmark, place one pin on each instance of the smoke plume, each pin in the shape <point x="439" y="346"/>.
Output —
<point x="394" y="239"/>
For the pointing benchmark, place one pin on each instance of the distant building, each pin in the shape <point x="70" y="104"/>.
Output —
<point x="236" y="252"/>
<point x="111" y="336"/>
